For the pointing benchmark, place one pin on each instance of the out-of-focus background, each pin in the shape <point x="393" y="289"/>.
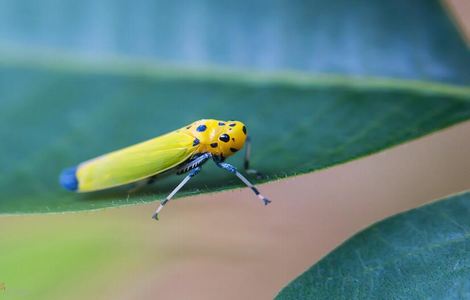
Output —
<point x="226" y="243"/>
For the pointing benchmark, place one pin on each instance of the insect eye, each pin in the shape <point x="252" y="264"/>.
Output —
<point x="224" y="138"/>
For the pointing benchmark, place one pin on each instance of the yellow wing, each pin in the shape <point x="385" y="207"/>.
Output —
<point x="135" y="162"/>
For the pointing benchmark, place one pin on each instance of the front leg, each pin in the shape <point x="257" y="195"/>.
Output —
<point x="233" y="170"/>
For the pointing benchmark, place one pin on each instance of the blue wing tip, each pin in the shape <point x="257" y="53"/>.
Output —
<point x="68" y="179"/>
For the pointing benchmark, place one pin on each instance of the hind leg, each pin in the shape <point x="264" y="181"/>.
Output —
<point x="246" y="164"/>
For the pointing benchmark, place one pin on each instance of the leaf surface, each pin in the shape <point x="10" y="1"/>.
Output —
<point x="419" y="254"/>
<point x="52" y="117"/>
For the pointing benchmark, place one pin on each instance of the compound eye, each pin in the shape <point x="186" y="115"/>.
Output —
<point x="224" y="138"/>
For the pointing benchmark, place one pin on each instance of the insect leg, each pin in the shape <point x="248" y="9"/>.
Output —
<point x="246" y="164"/>
<point x="234" y="170"/>
<point x="191" y="174"/>
<point x="196" y="162"/>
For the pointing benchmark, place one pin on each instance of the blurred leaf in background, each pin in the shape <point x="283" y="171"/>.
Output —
<point x="374" y="38"/>
<point x="419" y="254"/>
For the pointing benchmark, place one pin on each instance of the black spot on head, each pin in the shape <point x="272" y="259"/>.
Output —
<point x="233" y="150"/>
<point x="232" y="125"/>
<point x="224" y="138"/>
<point x="244" y="130"/>
<point x="201" y="128"/>
<point x="233" y="139"/>
<point x="196" y="142"/>
<point x="214" y="145"/>
<point x="188" y="127"/>
<point x="221" y="123"/>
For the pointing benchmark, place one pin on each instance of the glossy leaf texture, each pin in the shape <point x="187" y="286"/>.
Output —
<point x="419" y="254"/>
<point x="400" y="38"/>
<point x="55" y="115"/>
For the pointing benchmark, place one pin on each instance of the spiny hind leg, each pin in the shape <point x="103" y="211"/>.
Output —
<point x="190" y="175"/>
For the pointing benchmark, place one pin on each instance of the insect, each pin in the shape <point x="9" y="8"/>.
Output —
<point x="184" y="150"/>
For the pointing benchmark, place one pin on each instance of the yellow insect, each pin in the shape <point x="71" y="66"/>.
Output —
<point x="183" y="150"/>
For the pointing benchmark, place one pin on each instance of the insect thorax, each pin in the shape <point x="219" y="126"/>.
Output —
<point x="220" y="138"/>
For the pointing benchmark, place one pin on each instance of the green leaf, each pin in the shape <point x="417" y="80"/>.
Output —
<point x="419" y="254"/>
<point x="400" y="38"/>
<point x="57" y="109"/>
<point x="57" y="115"/>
